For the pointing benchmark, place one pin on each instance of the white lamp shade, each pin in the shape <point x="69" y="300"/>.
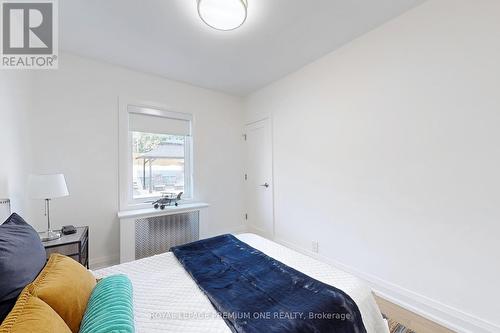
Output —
<point x="47" y="186"/>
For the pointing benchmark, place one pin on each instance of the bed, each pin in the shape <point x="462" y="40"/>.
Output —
<point x="166" y="299"/>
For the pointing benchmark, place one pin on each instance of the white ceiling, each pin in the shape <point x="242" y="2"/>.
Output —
<point x="167" y="38"/>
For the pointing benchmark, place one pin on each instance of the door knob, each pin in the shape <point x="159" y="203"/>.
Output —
<point x="266" y="185"/>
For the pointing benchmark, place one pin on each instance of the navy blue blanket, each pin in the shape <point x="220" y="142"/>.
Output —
<point x="256" y="294"/>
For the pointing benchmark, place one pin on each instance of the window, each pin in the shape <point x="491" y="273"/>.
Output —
<point x="155" y="157"/>
<point x="157" y="164"/>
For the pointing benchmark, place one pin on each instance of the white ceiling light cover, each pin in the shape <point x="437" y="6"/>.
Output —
<point x="223" y="14"/>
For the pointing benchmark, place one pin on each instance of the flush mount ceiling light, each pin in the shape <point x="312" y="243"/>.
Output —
<point x="223" y="14"/>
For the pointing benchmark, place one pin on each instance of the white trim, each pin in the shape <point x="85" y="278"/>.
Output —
<point x="220" y="231"/>
<point x="169" y="210"/>
<point x="436" y="311"/>
<point x="234" y="231"/>
<point x="271" y="129"/>
<point x="102" y="262"/>
<point x="124" y="146"/>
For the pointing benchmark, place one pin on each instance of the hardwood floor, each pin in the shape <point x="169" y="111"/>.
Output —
<point x="409" y="319"/>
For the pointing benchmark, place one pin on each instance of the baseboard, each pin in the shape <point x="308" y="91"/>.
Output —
<point x="235" y="230"/>
<point x="238" y="230"/>
<point x="102" y="262"/>
<point x="252" y="230"/>
<point x="436" y="311"/>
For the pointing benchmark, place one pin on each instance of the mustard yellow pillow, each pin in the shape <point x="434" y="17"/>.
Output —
<point x="65" y="286"/>
<point x="31" y="315"/>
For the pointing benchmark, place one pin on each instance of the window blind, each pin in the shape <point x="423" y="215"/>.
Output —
<point x="140" y="122"/>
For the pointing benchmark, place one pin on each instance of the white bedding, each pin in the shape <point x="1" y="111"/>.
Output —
<point x="166" y="299"/>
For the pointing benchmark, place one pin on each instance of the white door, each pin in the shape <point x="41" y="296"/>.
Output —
<point x="259" y="182"/>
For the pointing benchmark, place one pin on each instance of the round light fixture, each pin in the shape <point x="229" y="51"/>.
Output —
<point x="223" y="14"/>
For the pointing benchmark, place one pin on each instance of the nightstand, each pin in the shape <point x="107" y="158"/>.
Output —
<point x="75" y="246"/>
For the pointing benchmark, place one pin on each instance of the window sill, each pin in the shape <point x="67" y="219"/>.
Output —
<point x="141" y="204"/>
<point x="169" y="210"/>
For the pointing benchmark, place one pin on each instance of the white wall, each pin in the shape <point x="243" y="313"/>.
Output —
<point x="15" y="94"/>
<point x="387" y="152"/>
<point x="74" y="125"/>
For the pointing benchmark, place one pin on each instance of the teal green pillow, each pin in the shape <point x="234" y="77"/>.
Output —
<point x="110" y="307"/>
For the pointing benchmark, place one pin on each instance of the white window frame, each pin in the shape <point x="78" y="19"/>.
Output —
<point x="127" y="202"/>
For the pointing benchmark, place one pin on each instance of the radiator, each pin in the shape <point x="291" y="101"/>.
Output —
<point x="146" y="232"/>
<point x="155" y="235"/>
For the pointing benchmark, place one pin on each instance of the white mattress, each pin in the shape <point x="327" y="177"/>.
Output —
<point x="166" y="299"/>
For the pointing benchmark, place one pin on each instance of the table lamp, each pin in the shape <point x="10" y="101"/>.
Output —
<point x="4" y="210"/>
<point x="48" y="187"/>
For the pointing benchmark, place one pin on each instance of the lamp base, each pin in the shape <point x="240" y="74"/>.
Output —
<point x="49" y="235"/>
